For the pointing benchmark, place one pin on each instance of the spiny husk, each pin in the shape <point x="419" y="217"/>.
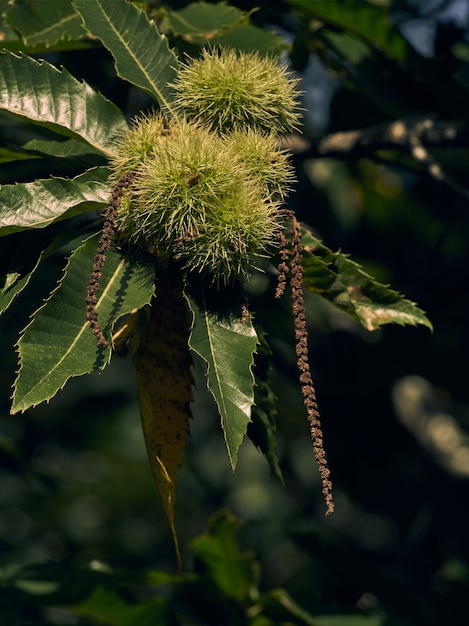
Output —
<point x="226" y="89"/>
<point x="196" y="200"/>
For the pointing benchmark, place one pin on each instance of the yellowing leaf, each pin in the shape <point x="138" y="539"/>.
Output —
<point x="164" y="377"/>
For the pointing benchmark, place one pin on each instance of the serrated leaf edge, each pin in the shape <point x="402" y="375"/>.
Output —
<point x="84" y="328"/>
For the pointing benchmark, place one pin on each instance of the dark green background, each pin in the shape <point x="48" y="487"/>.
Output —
<point x="75" y="485"/>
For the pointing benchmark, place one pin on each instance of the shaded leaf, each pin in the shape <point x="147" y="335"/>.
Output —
<point x="55" y="99"/>
<point x="199" y="22"/>
<point x="105" y="606"/>
<point x="25" y="256"/>
<point x="58" y="343"/>
<point x="163" y="365"/>
<point x="250" y="38"/>
<point x="141" y="54"/>
<point x="41" y="202"/>
<point x="392" y="72"/>
<point x="235" y="573"/>
<point x="14" y="285"/>
<point x="45" y="21"/>
<point x="68" y="149"/>
<point x="8" y="155"/>
<point x="262" y="430"/>
<point x="349" y="620"/>
<point x="226" y="343"/>
<point x="368" y="20"/>
<point x="280" y="605"/>
<point x="344" y="283"/>
<point x="221" y="25"/>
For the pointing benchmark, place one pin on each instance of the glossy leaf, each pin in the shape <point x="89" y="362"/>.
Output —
<point x="53" y="98"/>
<point x="58" y="343"/>
<point x="343" y="282"/>
<point x="141" y="54"/>
<point x="164" y="377"/>
<point x="41" y="202"/>
<point x="226" y="343"/>
<point x="45" y="21"/>
<point x="8" y="155"/>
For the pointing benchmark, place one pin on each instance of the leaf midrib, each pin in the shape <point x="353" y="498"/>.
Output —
<point x="52" y="27"/>
<point x="84" y="327"/>
<point x="132" y="55"/>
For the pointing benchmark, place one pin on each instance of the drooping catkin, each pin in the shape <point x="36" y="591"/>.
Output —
<point x="100" y="258"/>
<point x="291" y="264"/>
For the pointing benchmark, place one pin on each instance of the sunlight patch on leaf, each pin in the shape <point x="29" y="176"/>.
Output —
<point x="335" y="277"/>
<point x="39" y="92"/>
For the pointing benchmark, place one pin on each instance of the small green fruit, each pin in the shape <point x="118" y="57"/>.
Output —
<point x="227" y="90"/>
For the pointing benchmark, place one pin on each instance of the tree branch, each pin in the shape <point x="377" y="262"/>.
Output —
<point x="415" y="136"/>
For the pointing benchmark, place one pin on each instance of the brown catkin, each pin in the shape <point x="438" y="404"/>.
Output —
<point x="290" y="263"/>
<point x="100" y="258"/>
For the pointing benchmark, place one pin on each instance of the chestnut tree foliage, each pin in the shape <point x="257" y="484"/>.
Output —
<point x="168" y="215"/>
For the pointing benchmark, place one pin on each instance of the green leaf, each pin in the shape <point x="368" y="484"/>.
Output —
<point x="344" y="283"/>
<point x="349" y="620"/>
<point x="41" y="202"/>
<point x="14" y="285"/>
<point x="250" y="38"/>
<point x="368" y="27"/>
<point x="233" y="572"/>
<point x="368" y="20"/>
<point x="68" y="149"/>
<point x="262" y="430"/>
<point x="221" y="25"/>
<point x="227" y="343"/>
<point x="24" y="257"/>
<point x="8" y="155"/>
<point x="45" y="21"/>
<point x="200" y="21"/>
<point x="58" y="343"/>
<point x="142" y="56"/>
<point x="282" y="607"/>
<point x="107" y="607"/>
<point x="55" y="99"/>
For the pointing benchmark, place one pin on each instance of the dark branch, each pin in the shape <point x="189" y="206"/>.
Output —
<point x="416" y="136"/>
<point x="397" y="135"/>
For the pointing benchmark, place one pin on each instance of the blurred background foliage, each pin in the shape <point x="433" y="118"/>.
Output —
<point x="76" y="492"/>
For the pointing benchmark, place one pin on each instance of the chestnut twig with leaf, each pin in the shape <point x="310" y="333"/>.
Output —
<point x="205" y="188"/>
